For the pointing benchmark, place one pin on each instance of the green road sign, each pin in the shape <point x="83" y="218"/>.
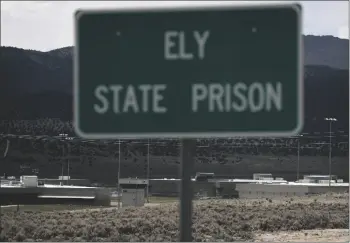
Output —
<point x="189" y="72"/>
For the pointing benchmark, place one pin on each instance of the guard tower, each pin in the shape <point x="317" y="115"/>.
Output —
<point x="133" y="192"/>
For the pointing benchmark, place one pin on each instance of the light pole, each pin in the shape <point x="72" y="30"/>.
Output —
<point x="119" y="156"/>
<point x="62" y="161"/>
<point x="330" y="119"/>
<point x="68" y="153"/>
<point x="298" y="154"/>
<point x="147" y="188"/>
<point x="298" y="166"/>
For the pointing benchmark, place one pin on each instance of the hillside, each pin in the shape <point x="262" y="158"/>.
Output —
<point x="326" y="51"/>
<point x="238" y="158"/>
<point x="39" y="84"/>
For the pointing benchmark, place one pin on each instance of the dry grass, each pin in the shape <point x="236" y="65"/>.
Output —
<point x="319" y="235"/>
<point x="214" y="220"/>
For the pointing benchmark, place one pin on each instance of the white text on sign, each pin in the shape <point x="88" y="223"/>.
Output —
<point x="205" y="97"/>
<point x="175" y="45"/>
<point x="132" y="101"/>
<point x="214" y="97"/>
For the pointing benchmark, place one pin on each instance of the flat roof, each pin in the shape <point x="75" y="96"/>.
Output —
<point x="45" y="186"/>
<point x="304" y="184"/>
<point x="168" y="179"/>
<point x="317" y="184"/>
<point x="65" y="186"/>
<point x="266" y="182"/>
<point x="252" y="181"/>
<point x="11" y="186"/>
<point x="58" y="179"/>
<point x="73" y="197"/>
<point x="227" y="180"/>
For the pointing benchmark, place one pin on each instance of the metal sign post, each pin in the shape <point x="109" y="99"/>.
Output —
<point x="186" y="190"/>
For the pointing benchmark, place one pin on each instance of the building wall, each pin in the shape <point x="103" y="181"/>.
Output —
<point x="101" y="196"/>
<point x="324" y="189"/>
<point x="164" y="188"/>
<point x="226" y="190"/>
<point x="277" y="191"/>
<point x="204" y="188"/>
<point x="61" y="191"/>
<point x="74" y="182"/>
<point x="269" y="191"/>
<point x="12" y="196"/>
<point x="172" y="188"/>
<point x="133" y="197"/>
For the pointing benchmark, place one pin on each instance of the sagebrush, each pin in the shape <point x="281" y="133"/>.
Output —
<point x="214" y="220"/>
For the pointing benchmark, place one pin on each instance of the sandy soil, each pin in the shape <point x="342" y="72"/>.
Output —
<point x="328" y="235"/>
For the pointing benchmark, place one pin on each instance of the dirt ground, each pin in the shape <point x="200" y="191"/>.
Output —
<point x="322" y="235"/>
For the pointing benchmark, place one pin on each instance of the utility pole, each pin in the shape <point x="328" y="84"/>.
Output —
<point x="148" y="161"/>
<point x="68" y="153"/>
<point x="119" y="156"/>
<point x="62" y="159"/>
<point x="330" y="154"/>
<point x="330" y="119"/>
<point x="298" y="159"/>
<point x="298" y="166"/>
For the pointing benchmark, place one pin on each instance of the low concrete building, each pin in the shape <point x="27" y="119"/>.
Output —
<point x="164" y="187"/>
<point x="228" y="188"/>
<point x="265" y="190"/>
<point x="65" y="181"/>
<point x="225" y="188"/>
<point x="261" y="186"/>
<point x="33" y="194"/>
<point x="29" y="181"/>
<point x="262" y="176"/>
<point x="171" y="187"/>
<point x="204" y="189"/>
<point x="133" y="192"/>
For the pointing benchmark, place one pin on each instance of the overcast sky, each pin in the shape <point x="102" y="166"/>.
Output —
<point x="46" y="25"/>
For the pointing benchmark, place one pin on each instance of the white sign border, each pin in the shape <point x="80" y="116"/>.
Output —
<point x="226" y="134"/>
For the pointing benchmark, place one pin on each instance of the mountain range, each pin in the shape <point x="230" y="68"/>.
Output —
<point x="39" y="84"/>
